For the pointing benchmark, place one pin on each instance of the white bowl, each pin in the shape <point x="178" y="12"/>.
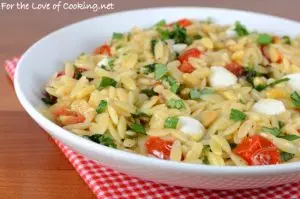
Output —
<point x="47" y="56"/>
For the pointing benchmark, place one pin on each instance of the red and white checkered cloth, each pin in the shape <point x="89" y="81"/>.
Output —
<point x="107" y="183"/>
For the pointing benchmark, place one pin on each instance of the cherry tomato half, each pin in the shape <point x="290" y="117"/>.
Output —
<point x="184" y="22"/>
<point x="193" y="52"/>
<point x="158" y="147"/>
<point x="104" y="49"/>
<point x="235" y="68"/>
<point x="257" y="150"/>
<point x="185" y="67"/>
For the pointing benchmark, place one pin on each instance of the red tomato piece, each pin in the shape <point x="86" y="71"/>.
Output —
<point x="104" y="49"/>
<point x="266" y="156"/>
<point x="74" y="117"/>
<point x="185" y="67"/>
<point x="158" y="147"/>
<point x="250" y="146"/>
<point x="193" y="52"/>
<point x="184" y="22"/>
<point x="235" y="68"/>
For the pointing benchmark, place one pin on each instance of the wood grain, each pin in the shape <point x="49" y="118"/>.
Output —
<point x="31" y="165"/>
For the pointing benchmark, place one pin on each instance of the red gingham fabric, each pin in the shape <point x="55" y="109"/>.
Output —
<point x="109" y="184"/>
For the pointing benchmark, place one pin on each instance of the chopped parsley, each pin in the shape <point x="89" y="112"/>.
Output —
<point x="147" y="69"/>
<point x="153" y="43"/>
<point x="105" y="140"/>
<point x="106" y="82"/>
<point x="237" y="115"/>
<point x="198" y="94"/>
<point x="149" y="92"/>
<point x="117" y="35"/>
<point x="178" y="34"/>
<point x="285" y="156"/>
<point x="277" y="132"/>
<point x="138" y="128"/>
<point x="286" y="40"/>
<point x="288" y="137"/>
<point x="274" y="131"/>
<point x="250" y="74"/>
<point x="240" y="29"/>
<point x="160" y="23"/>
<point x="280" y="124"/>
<point x="264" y="39"/>
<point x="171" y="122"/>
<point x="295" y="97"/>
<point x="173" y="85"/>
<point x="176" y="103"/>
<point x="263" y="87"/>
<point x="164" y="34"/>
<point x="49" y="99"/>
<point x="160" y="70"/>
<point x="102" y="106"/>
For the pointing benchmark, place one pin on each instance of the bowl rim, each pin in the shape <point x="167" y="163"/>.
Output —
<point x="136" y="158"/>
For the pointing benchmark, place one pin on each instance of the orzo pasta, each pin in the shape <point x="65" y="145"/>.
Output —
<point x="188" y="91"/>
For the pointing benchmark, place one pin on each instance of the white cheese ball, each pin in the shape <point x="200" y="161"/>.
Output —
<point x="220" y="77"/>
<point x="191" y="127"/>
<point x="179" y="47"/>
<point x="294" y="81"/>
<point x="269" y="107"/>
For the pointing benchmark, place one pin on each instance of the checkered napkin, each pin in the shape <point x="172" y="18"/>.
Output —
<point x="110" y="184"/>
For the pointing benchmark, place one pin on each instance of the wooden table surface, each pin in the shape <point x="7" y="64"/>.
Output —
<point x="31" y="165"/>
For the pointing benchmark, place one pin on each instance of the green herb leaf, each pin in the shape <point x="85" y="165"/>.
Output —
<point x="286" y="40"/>
<point x="138" y="128"/>
<point x="196" y="94"/>
<point x="139" y="114"/>
<point x="148" y="69"/>
<point x="240" y="29"/>
<point x="106" y="82"/>
<point x="160" y="23"/>
<point x="149" y="92"/>
<point x="105" y="139"/>
<point x="176" y="103"/>
<point x="164" y="34"/>
<point x="189" y="39"/>
<point x="237" y="115"/>
<point x="102" y="106"/>
<point x="160" y="70"/>
<point x="289" y="137"/>
<point x="263" y="87"/>
<point x="49" y="99"/>
<point x="251" y="74"/>
<point x="295" y="99"/>
<point x="274" y="131"/>
<point x="171" y="83"/>
<point x="260" y="87"/>
<point x="117" y="35"/>
<point x="264" y="39"/>
<point x="153" y="43"/>
<point x="279" y="81"/>
<point x="171" y="122"/>
<point x="280" y="124"/>
<point x="178" y="34"/>
<point x="285" y="156"/>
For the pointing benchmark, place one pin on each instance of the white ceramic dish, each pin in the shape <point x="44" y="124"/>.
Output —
<point x="47" y="56"/>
